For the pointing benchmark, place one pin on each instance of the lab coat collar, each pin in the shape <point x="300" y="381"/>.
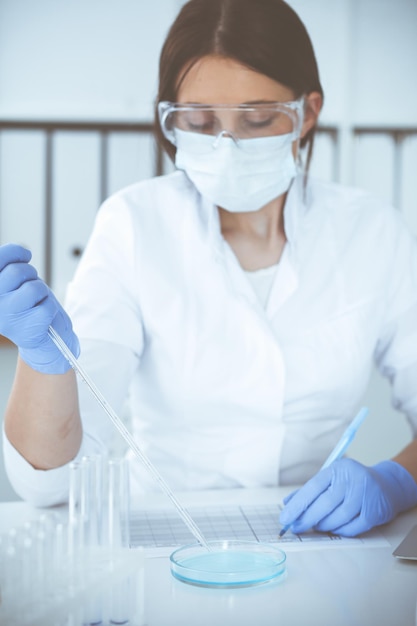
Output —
<point x="286" y="279"/>
<point x="296" y="205"/>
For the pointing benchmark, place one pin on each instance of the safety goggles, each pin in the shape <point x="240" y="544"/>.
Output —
<point x="239" y="121"/>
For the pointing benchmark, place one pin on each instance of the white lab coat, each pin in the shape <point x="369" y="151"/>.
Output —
<point x="222" y="392"/>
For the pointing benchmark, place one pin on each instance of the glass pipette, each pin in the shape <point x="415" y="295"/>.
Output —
<point x="185" y="516"/>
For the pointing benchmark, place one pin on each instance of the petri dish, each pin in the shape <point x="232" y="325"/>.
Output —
<point x="229" y="563"/>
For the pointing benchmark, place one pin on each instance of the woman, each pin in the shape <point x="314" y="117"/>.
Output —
<point x="237" y="303"/>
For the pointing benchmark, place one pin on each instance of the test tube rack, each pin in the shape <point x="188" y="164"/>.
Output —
<point x="76" y="568"/>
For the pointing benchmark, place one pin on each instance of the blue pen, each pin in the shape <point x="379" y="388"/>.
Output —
<point x="341" y="447"/>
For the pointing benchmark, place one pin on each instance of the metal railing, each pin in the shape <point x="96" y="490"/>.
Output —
<point x="398" y="137"/>
<point x="104" y="129"/>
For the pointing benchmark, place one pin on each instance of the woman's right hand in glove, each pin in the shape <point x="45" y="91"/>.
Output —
<point x="27" y="308"/>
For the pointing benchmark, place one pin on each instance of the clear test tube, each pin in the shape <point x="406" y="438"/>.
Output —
<point x="84" y="530"/>
<point x="119" y="535"/>
<point x="119" y="503"/>
<point x="2" y="570"/>
<point x="82" y="505"/>
<point x="75" y="514"/>
<point x="28" y="589"/>
<point x="59" y="559"/>
<point x="91" y="505"/>
<point x="92" y="499"/>
<point x="44" y="591"/>
<point x="20" y="593"/>
<point x="3" y="577"/>
<point x="33" y="543"/>
<point x="8" y="563"/>
<point x="60" y="547"/>
<point x="76" y="528"/>
<point x="12" y="569"/>
<point x="48" y="523"/>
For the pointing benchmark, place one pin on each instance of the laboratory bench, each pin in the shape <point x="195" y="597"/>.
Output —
<point x="348" y="585"/>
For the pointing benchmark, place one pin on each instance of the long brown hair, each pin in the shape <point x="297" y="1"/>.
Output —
<point x="265" y="35"/>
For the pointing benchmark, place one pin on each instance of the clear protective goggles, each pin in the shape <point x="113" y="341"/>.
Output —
<point x="238" y="121"/>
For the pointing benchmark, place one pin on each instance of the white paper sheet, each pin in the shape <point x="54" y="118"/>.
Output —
<point x="159" y="529"/>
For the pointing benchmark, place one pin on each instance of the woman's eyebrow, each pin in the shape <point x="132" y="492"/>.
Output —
<point x="260" y="102"/>
<point x="248" y="102"/>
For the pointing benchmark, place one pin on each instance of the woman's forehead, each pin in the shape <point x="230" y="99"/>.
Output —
<point x="214" y="79"/>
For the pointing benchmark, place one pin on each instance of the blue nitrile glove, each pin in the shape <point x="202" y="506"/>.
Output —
<point x="348" y="498"/>
<point x="27" y="308"/>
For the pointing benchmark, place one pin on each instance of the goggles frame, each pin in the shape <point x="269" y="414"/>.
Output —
<point x="294" y="109"/>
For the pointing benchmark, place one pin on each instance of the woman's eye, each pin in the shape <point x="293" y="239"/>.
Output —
<point x="200" y="127"/>
<point x="197" y="122"/>
<point x="273" y="123"/>
<point x="261" y="119"/>
<point x="259" y="122"/>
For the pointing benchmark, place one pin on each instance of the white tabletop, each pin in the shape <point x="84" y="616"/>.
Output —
<point x="358" y="586"/>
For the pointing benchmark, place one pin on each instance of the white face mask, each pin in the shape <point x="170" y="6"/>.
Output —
<point x="239" y="178"/>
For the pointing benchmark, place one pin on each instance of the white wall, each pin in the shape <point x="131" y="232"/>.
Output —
<point x="97" y="60"/>
<point x="81" y="58"/>
<point x="367" y="55"/>
<point x="73" y="60"/>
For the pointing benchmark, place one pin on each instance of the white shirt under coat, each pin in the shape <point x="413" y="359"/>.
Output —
<point x="225" y="392"/>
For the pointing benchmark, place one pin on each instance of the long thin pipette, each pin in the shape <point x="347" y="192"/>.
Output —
<point x="185" y="516"/>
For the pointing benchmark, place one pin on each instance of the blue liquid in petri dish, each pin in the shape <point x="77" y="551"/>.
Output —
<point x="228" y="564"/>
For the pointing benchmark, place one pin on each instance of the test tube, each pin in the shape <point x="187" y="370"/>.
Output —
<point x="11" y="567"/>
<point x="118" y="535"/>
<point x="59" y="561"/>
<point x="118" y="514"/>
<point x="83" y="507"/>
<point x="85" y="520"/>
<point x="91" y="498"/>
<point x="19" y="564"/>
<point x="42" y="550"/>
<point x="2" y="571"/>
<point x="47" y="525"/>
<point x="27" y="588"/>
<point x="75" y="515"/>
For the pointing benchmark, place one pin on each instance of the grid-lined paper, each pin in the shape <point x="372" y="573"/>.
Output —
<point x="164" y="528"/>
